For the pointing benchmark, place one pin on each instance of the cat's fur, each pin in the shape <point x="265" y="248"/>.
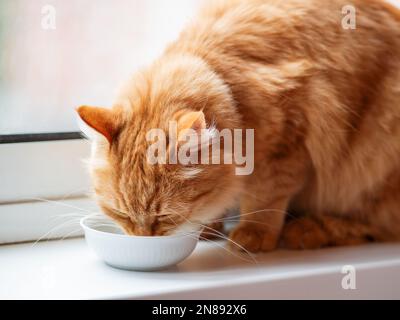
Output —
<point x="325" y="105"/>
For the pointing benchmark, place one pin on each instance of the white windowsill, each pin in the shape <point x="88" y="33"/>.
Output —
<point x="70" y="270"/>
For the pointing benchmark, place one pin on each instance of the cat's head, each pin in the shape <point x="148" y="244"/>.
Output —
<point x="148" y="198"/>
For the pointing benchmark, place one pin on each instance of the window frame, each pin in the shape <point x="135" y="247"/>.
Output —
<point x="48" y="167"/>
<point x="39" y="137"/>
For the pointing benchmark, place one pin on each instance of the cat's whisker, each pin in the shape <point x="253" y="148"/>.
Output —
<point x="256" y="223"/>
<point x="76" y="230"/>
<point x="233" y="253"/>
<point x="52" y="230"/>
<point x="223" y="236"/>
<point x="216" y="231"/>
<point x="263" y="200"/>
<point x="248" y="213"/>
<point x="226" y="249"/>
<point x="71" y="215"/>
<point x="234" y="217"/>
<point x="66" y="224"/>
<point x="59" y="203"/>
<point x="77" y="192"/>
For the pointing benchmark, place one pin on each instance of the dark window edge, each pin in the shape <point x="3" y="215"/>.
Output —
<point x="36" y="137"/>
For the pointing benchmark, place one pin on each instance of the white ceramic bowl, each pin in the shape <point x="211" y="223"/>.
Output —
<point x="136" y="252"/>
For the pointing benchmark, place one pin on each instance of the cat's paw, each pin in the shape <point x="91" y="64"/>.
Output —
<point x="303" y="234"/>
<point x="254" y="239"/>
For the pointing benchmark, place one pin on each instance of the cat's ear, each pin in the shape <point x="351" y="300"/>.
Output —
<point x="95" y="121"/>
<point x="194" y="120"/>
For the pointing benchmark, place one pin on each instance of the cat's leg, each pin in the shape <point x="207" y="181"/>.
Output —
<point x="264" y="201"/>
<point x="377" y="218"/>
<point x="318" y="232"/>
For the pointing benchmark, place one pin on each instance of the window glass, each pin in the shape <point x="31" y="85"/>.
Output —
<point x="56" y="55"/>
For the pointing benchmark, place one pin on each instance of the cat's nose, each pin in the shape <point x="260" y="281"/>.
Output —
<point x="142" y="227"/>
<point x="143" y="231"/>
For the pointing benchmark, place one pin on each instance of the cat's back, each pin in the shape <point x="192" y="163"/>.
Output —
<point x="355" y="80"/>
<point x="299" y="26"/>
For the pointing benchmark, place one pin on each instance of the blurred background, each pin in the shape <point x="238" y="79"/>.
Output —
<point x="93" y="46"/>
<point x="56" y="55"/>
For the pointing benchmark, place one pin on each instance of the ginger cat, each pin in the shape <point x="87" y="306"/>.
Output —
<point x="324" y="102"/>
